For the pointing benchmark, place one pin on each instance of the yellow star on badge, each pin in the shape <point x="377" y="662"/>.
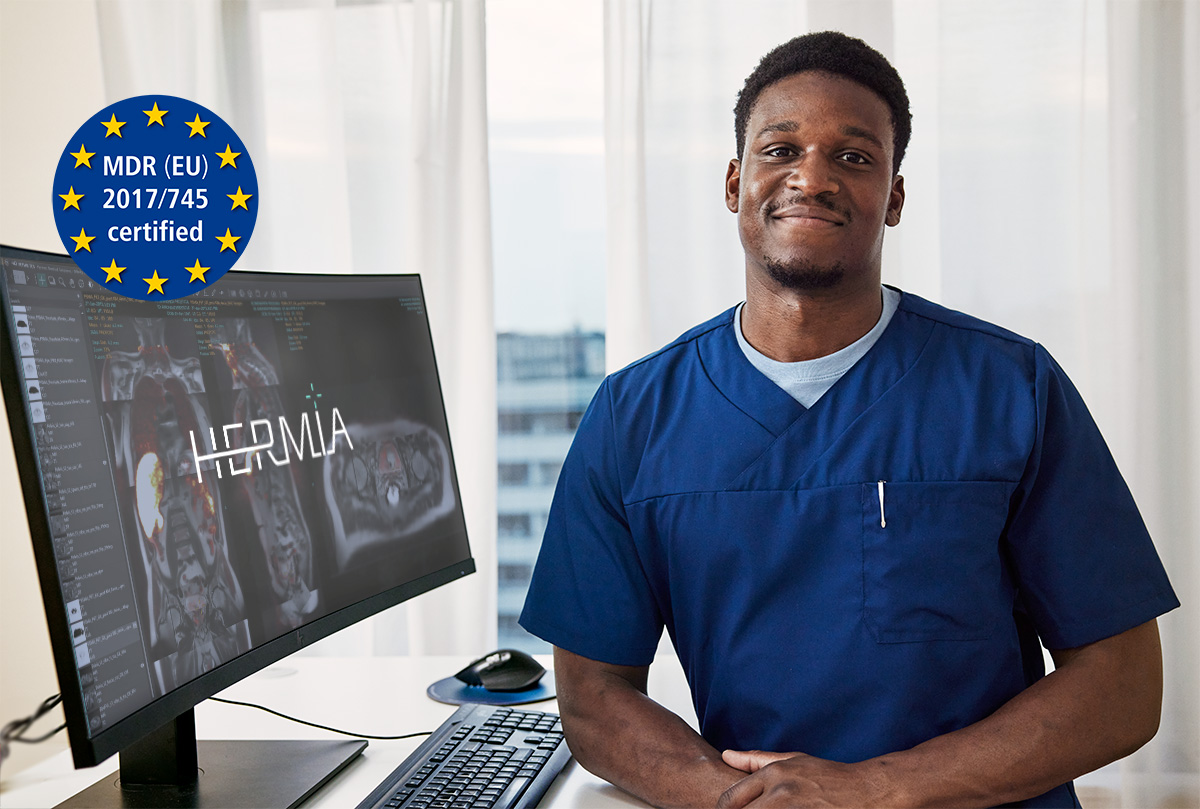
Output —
<point x="198" y="272"/>
<point x="155" y="284"/>
<point x="83" y="157"/>
<point x="114" y="272"/>
<point x="239" y="199"/>
<point x="227" y="241"/>
<point x="113" y="126"/>
<point x="228" y="157"/>
<point x="83" y="241"/>
<point x="156" y="115"/>
<point x="197" y="126"/>
<point x="71" y="199"/>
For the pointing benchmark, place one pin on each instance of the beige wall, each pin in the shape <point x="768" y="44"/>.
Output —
<point x="50" y="83"/>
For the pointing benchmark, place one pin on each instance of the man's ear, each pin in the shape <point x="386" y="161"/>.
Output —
<point x="895" y="202"/>
<point x="733" y="184"/>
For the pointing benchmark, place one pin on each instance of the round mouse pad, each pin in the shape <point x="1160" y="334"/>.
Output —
<point x="454" y="691"/>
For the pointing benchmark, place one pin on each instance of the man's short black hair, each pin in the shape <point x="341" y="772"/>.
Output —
<point x="831" y="52"/>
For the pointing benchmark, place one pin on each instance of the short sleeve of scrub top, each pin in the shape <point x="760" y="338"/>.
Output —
<point x="593" y="597"/>
<point x="1087" y="568"/>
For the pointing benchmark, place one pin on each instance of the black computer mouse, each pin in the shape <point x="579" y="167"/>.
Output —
<point x="503" y="670"/>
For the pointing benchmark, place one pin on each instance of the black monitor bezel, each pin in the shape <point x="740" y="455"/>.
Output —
<point x="88" y="750"/>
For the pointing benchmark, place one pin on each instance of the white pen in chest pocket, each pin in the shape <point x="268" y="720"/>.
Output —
<point x="882" y="515"/>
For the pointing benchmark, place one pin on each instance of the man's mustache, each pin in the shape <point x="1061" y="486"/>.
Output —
<point x="820" y="200"/>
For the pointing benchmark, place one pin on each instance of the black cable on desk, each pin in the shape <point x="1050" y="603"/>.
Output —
<point x="315" y="725"/>
<point x="15" y="731"/>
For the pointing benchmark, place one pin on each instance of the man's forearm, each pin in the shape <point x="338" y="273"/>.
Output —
<point x="1101" y="703"/>
<point x="618" y="733"/>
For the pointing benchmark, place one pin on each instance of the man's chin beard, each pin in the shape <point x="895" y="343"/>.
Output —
<point x="805" y="276"/>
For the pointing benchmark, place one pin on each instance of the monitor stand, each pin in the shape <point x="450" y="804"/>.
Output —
<point x="168" y="768"/>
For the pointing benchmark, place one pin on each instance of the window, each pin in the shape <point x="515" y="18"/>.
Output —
<point x="518" y="574"/>
<point x="514" y="525"/>
<point x="548" y="470"/>
<point x="515" y="422"/>
<point x="548" y="208"/>
<point x="513" y="474"/>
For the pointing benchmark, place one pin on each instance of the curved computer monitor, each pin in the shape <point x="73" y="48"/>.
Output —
<point x="215" y="482"/>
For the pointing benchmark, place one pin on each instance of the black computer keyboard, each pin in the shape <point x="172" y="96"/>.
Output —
<point x="482" y="756"/>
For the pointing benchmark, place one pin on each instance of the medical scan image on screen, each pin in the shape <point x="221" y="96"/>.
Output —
<point x="266" y="453"/>
<point x="189" y="594"/>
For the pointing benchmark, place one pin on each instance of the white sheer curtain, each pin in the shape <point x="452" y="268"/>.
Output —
<point x="366" y="122"/>
<point x="1052" y="187"/>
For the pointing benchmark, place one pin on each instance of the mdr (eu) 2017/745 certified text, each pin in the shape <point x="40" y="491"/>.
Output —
<point x="155" y="197"/>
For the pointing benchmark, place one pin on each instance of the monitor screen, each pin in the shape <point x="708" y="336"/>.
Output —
<point x="216" y="481"/>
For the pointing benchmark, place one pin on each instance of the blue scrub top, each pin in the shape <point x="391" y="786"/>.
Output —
<point x="807" y="615"/>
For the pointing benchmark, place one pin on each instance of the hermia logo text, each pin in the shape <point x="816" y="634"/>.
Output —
<point x="262" y="436"/>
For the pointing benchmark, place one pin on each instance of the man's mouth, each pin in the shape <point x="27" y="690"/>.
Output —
<point x="807" y="216"/>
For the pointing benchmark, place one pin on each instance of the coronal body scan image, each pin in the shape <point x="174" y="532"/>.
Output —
<point x="394" y="482"/>
<point x="192" y="599"/>
<point x="269" y="489"/>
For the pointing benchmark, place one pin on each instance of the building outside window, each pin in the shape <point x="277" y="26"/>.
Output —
<point x="547" y="381"/>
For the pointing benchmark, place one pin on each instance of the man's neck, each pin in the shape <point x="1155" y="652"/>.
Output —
<point x="790" y="326"/>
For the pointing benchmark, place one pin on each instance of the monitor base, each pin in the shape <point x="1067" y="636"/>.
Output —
<point x="233" y="775"/>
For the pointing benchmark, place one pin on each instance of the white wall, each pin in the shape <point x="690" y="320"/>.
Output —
<point x="50" y="83"/>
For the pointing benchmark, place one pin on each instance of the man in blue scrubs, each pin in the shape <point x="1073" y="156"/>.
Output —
<point x="858" y="515"/>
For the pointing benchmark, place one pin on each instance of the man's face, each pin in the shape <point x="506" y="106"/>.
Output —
<point x="815" y="188"/>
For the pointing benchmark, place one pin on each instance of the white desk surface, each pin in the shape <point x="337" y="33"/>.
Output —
<point x="381" y="695"/>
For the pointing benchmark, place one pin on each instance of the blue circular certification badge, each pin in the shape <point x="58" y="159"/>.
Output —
<point x="155" y="197"/>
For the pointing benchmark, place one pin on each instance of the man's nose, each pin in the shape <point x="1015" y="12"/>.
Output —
<point x="812" y="174"/>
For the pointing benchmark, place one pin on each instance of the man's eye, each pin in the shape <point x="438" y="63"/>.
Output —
<point x="856" y="158"/>
<point x="779" y="151"/>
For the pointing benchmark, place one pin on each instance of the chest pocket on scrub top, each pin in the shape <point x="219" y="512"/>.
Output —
<point x="932" y="568"/>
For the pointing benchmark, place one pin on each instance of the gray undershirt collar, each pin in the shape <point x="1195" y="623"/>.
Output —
<point x="808" y="380"/>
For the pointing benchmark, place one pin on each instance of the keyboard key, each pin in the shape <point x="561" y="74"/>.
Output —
<point x="513" y="792"/>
